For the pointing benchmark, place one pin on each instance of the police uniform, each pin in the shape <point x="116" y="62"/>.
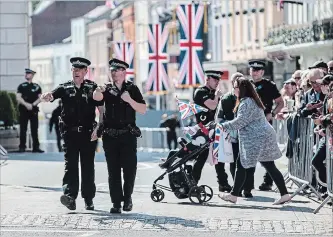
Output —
<point x="202" y="94"/>
<point x="54" y="120"/>
<point x="267" y="92"/>
<point x="30" y="93"/>
<point x="120" y="140"/>
<point x="77" y="124"/>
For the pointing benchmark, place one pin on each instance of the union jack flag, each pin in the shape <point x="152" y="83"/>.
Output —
<point x="158" y="80"/>
<point x="188" y="109"/>
<point x="125" y="51"/>
<point x="190" y="18"/>
<point x="218" y="133"/>
<point x="111" y="4"/>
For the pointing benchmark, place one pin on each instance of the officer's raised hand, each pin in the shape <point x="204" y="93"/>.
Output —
<point x="218" y="93"/>
<point x="46" y="97"/>
<point x="126" y="97"/>
<point x="101" y="89"/>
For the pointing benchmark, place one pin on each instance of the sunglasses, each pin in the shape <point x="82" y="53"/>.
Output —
<point x="297" y="78"/>
<point x="117" y="69"/>
<point x="313" y="82"/>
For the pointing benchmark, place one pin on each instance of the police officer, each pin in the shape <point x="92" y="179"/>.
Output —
<point x="54" y="120"/>
<point x="122" y="100"/>
<point x="28" y="94"/>
<point x="77" y="125"/>
<point x="268" y="94"/>
<point x="208" y="97"/>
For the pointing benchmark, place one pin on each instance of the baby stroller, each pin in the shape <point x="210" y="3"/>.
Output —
<point x="179" y="172"/>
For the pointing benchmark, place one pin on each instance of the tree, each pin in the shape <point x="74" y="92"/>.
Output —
<point x="35" y="4"/>
<point x="6" y="109"/>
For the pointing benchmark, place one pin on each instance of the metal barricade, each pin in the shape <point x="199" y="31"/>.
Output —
<point x="282" y="138"/>
<point x="329" y="170"/>
<point x="153" y="140"/>
<point x="280" y="127"/>
<point x="300" y="165"/>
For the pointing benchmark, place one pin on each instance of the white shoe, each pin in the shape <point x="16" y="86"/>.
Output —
<point x="284" y="199"/>
<point x="228" y="198"/>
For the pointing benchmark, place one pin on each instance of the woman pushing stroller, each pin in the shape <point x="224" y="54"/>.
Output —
<point x="257" y="140"/>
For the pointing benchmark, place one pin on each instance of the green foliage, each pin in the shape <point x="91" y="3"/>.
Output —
<point x="7" y="110"/>
<point x="15" y="104"/>
<point x="35" y="4"/>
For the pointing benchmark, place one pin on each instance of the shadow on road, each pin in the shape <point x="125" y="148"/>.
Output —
<point x="242" y="206"/>
<point x="104" y="218"/>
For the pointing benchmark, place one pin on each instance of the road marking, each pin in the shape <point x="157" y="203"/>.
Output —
<point x="85" y="233"/>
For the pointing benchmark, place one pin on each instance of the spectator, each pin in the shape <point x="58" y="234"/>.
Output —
<point x="312" y="99"/>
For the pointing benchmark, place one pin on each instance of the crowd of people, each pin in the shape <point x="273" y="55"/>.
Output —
<point x="249" y="110"/>
<point x="246" y="113"/>
<point x="309" y="94"/>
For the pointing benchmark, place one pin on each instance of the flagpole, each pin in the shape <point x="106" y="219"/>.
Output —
<point x="141" y="41"/>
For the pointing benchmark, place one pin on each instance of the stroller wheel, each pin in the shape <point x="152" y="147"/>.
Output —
<point x="157" y="195"/>
<point x="208" y="191"/>
<point x="197" y="195"/>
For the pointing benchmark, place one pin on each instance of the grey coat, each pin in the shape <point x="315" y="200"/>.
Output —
<point x="257" y="138"/>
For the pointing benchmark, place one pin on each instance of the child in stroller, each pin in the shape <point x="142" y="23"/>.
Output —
<point x="179" y="172"/>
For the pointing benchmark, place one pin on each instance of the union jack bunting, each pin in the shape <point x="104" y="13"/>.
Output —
<point x="125" y="51"/>
<point x="158" y="80"/>
<point x="218" y="132"/>
<point x="188" y="109"/>
<point x="190" y="19"/>
<point x="111" y="4"/>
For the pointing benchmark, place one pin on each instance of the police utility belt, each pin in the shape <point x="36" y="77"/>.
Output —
<point x="113" y="132"/>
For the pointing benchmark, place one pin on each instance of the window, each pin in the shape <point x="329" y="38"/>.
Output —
<point x="249" y="30"/>
<point x="245" y="21"/>
<point x="67" y="63"/>
<point x="227" y="8"/>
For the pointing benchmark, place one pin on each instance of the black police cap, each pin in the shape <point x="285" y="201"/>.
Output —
<point x="318" y="64"/>
<point x="28" y="70"/>
<point x="79" y="62"/>
<point x="116" y="63"/>
<point x="214" y="74"/>
<point x="257" y="64"/>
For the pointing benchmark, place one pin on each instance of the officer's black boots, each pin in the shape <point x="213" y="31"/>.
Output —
<point x="225" y="188"/>
<point x="68" y="202"/>
<point x="21" y="149"/>
<point x="128" y="205"/>
<point x="116" y="208"/>
<point x="89" y="205"/>
<point x="37" y="151"/>
<point x="265" y="187"/>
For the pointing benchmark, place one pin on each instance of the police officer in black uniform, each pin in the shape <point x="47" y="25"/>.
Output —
<point x="122" y="100"/>
<point x="268" y="94"/>
<point x="54" y="120"/>
<point x="28" y="94"/>
<point x="207" y="97"/>
<point x="77" y="125"/>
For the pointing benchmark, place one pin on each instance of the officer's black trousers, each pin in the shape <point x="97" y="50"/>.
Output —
<point x="58" y="138"/>
<point x="222" y="176"/>
<point x="120" y="152"/>
<point x="25" y="116"/>
<point x="172" y="137"/>
<point x="78" y="144"/>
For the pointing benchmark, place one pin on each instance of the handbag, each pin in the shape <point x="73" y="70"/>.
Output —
<point x="225" y="153"/>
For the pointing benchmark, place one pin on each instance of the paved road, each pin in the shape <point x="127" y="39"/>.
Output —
<point x="30" y="191"/>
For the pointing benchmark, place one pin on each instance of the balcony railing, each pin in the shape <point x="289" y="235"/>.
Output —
<point x="291" y="34"/>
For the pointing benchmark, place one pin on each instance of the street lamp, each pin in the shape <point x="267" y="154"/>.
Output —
<point x="208" y="56"/>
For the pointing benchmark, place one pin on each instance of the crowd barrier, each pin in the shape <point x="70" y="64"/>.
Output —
<point x="329" y="170"/>
<point x="296" y="136"/>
